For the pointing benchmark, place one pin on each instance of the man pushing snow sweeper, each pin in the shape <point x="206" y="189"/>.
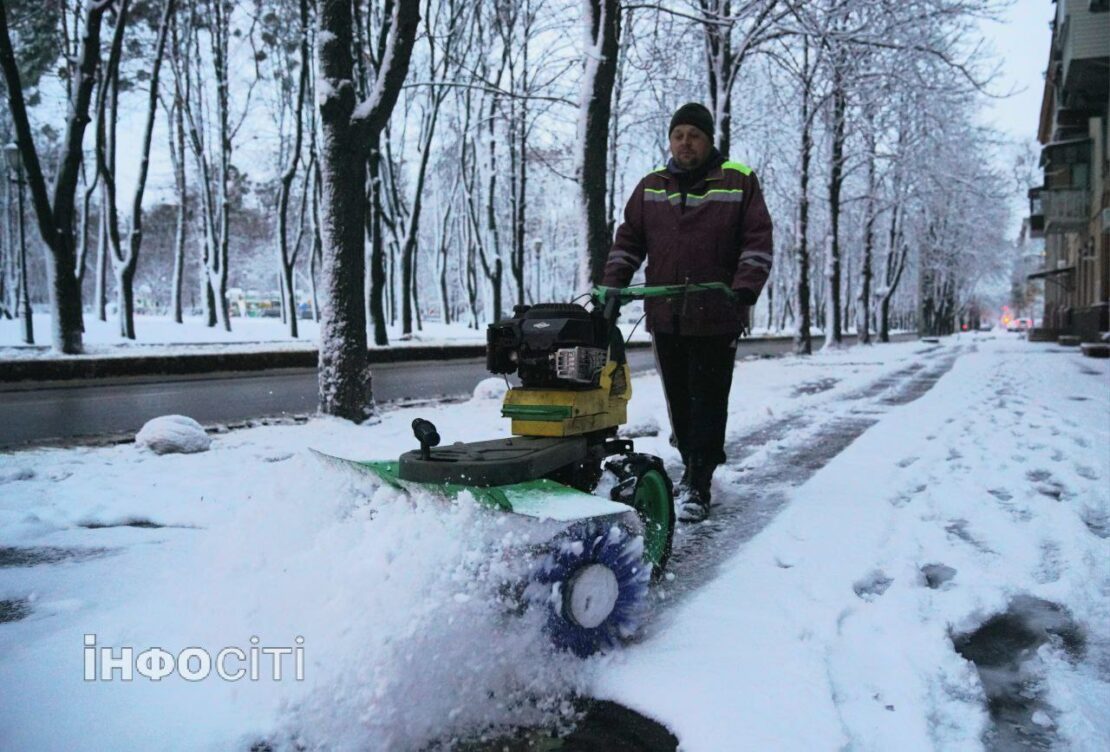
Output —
<point x="587" y="560"/>
<point x="699" y="219"/>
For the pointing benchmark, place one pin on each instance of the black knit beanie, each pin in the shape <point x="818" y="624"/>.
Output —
<point x="693" y="114"/>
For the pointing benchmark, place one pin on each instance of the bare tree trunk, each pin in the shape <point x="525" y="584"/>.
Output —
<point x="408" y="250"/>
<point x="125" y="260"/>
<point x="719" y="62"/>
<point x="9" y="286"/>
<point x="836" y="181"/>
<point x="518" y="150"/>
<point x="444" y="297"/>
<point x="803" y="342"/>
<point x="864" y="328"/>
<point x="56" y="219"/>
<point x="177" y="152"/>
<point x="287" y="259"/>
<point x="83" y="234"/>
<point x="23" y="293"/>
<point x="220" y="33"/>
<point x="895" y="262"/>
<point x="317" y="242"/>
<point x="378" y="279"/>
<point x="416" y="292"/>
<point x="603" y="24"/>
<point x="100" y="293"/>
<point x="345" y="386"/>
<point x="492" y="230"/>
<point x="344" y="371"/>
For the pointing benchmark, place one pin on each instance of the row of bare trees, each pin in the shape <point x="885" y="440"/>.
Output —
<point x="415" y="159"/>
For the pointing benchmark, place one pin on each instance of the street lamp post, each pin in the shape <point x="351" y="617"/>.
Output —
<point x="23" y="297"/>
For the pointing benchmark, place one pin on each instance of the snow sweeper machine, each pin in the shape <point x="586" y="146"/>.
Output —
<point x="590" y="560"/>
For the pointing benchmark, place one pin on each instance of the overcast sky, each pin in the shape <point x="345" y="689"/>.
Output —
<point x="1021" y="40"/>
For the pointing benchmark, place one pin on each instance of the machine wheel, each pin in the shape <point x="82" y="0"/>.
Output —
<point x="644" y="485"/>
<point x="594" y="585"/>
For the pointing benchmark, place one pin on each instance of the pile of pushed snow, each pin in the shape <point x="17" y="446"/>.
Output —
<point x="491" y="388"/>
<point x="173" y="434"/>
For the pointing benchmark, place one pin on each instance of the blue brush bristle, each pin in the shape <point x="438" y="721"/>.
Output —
<point x="596" y="543"/>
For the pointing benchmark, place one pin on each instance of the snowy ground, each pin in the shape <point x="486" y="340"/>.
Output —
<point x="160" y="335"/>
<point x="881" y="504"/>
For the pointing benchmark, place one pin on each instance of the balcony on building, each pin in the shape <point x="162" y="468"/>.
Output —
<point x="1065" y="198"/>
<point x="1036" y="213"/>
<point x="1080" y="55"/>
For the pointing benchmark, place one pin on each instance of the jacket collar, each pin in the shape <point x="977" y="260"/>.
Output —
<point x="711" y="170"/>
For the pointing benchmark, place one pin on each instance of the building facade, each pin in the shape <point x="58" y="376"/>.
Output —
<point x="1072" y="208"/>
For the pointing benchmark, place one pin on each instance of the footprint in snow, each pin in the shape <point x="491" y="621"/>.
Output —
<point x="872" y="586"/>
<point x="1086" y="472"/>
<point x="903" y="499"/>
<point x="17" y="474"/>
<point x="937" y="575"/>
<point x="1048" y="570"/>
<point x="1052" y="490"/>
<point x="1000" y="493"/>
<point x="1037" y="476"/>
<point x="1097" y="521"/>
<point x="907" y="461"/>
<point x="958" y="529"/>
<point x="277" y="457"/>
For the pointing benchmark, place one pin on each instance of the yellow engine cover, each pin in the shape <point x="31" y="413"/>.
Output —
<point x="557" y="412"/>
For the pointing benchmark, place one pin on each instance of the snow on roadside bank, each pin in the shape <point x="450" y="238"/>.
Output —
<point x="402" y="644"/>
<point x="160" y="336"/>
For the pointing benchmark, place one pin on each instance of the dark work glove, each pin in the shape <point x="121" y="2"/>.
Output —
<point x="744" y="296"/>
<point x="745" y="299"/>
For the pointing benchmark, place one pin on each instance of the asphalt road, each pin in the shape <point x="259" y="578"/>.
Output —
<point x="61" y="411"/>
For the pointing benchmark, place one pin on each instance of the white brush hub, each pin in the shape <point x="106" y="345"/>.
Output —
<point x="591" y="595"/>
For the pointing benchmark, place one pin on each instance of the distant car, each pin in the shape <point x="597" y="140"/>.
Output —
<point x="1020" y="325"/>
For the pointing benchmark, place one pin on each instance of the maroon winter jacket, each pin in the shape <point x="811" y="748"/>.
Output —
<point x="721" y="232"/>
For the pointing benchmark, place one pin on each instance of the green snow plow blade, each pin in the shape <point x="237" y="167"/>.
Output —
<point x="541" y="498"/>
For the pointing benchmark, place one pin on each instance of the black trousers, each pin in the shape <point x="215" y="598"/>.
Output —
<point x="697" y="377"/>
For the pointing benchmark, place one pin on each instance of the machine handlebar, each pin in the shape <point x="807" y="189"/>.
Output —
<point x="604" y="295"/>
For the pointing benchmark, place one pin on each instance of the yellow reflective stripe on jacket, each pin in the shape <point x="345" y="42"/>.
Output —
<point x="740" y="167"/>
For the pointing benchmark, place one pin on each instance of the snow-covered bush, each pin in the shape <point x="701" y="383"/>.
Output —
<point x="173" y="434"/>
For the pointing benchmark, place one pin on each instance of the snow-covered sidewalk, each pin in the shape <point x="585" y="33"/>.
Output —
<point x="833" y="627"/>
<point x="828" y="622"/>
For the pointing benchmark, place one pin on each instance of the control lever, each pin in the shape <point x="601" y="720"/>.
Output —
<point x="426" y="433"/>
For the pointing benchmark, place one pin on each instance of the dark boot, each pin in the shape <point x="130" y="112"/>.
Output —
<point x="697" y="492"/>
